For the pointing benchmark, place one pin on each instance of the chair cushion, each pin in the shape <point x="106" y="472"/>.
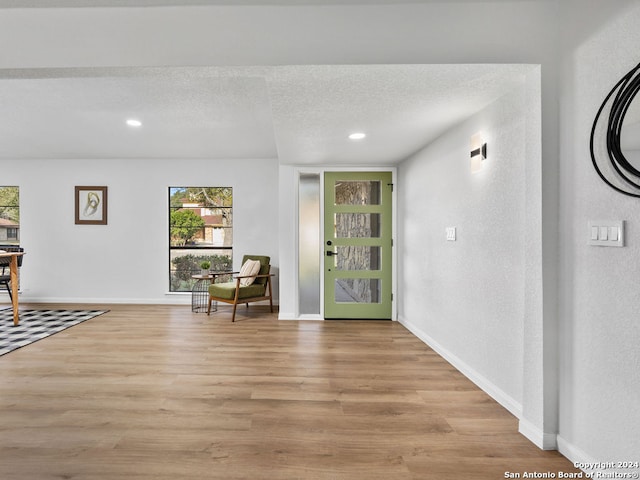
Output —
<point x="228" y="290"/>
<point x="250" y="267"/>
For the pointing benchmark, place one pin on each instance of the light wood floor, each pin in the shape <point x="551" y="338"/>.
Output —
<point x="157" y="392"/>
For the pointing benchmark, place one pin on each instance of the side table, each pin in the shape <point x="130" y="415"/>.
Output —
<point x="200" y="294"/>
<point x="200" y="291"/>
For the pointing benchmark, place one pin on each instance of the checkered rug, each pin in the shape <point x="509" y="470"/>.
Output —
<point x="38" y="324"/>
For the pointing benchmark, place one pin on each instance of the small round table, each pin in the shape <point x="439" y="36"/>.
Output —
<point x="200" y="291"/>
<point x="200" y="294"/>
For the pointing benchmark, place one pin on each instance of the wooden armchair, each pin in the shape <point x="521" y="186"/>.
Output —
<point x="236" y="291"/>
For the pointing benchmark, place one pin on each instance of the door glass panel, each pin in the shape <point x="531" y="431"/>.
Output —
<point x="357" y="192"/>
<point x="309" y="244"/>
<point x="357" y="290"/>
<point x="357" y="225"/>
<point x="355" y="257"/>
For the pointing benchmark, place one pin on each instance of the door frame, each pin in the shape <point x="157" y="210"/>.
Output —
<point x="394" y="222"/>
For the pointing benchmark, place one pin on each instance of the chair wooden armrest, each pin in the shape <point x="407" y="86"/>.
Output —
<point x="255" y="276"/>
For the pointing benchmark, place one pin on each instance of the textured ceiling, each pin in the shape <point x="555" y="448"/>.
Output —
<point x="401" y="108"/>
<point x="299" y="114"/>
<point x="185" y="113"/>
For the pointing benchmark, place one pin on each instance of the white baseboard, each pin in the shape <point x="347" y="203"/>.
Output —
<point x="576" y="455"/>
<point x="292" y="316"/>
<point x="492" y="390"/>
<point x="542" y="440"/>
<point x="170" y="299"/>
<point x="173" y="300"/>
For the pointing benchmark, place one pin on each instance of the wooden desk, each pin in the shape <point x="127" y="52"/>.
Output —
<point x="13" y="272"/>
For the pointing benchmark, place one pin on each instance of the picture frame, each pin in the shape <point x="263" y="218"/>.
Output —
<point x="91" y="205"/>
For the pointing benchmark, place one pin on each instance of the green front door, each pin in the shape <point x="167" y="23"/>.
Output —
<point x="357" y="245"/>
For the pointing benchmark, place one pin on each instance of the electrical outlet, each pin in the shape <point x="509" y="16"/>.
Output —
<point x="451" y="234"/>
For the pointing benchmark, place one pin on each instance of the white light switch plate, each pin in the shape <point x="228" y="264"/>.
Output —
<point x="451" y="234"/>
<point x="606" y="233"/>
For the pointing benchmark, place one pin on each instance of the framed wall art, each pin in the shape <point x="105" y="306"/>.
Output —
<point x="91" y="205"/>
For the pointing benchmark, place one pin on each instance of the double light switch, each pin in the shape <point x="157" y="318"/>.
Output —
<point x="606" y="233"/>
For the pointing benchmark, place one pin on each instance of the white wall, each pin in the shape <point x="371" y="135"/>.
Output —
<point x="127" y="259"/>
<point x="288" y="208"/>
<point x="599" y="294"/>
<point x="466" y="298"/>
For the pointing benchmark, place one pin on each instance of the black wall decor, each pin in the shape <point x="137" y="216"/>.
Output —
<point x="620" y="98"/>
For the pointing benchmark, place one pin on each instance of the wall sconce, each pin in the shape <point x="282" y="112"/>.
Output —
<point x="478" y="152"/>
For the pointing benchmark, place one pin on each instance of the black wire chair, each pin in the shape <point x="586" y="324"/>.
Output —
<point x="5" y="276"/>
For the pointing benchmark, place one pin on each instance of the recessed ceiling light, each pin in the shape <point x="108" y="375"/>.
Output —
<point x="357" y="136"/>
<point x="132" y="122"/>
